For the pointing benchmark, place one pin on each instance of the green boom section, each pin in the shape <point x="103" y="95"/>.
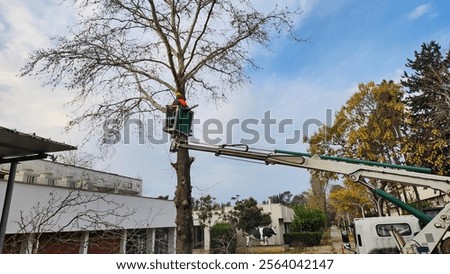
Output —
<point x="415" y="212"/>
<point x="356" y="161"/>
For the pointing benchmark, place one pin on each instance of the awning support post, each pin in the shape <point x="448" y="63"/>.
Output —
<point x="7" y="203"/>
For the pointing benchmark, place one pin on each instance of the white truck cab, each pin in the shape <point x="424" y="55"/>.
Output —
<point x="372" y="235"/>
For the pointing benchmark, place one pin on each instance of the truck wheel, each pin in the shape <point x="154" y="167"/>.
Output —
<point x="445" y="246"/>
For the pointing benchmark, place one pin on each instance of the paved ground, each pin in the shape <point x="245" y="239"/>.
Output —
<point x="331" y="246"/>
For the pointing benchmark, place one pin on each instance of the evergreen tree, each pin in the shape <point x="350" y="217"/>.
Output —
<point x="428" y="99"/>
<point x="247" y="215"/>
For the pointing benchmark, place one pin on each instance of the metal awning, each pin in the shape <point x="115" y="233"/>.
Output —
<point x="17" y="146"/>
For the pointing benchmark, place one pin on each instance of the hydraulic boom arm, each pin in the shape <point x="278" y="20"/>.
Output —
<point x="358" y="171"/>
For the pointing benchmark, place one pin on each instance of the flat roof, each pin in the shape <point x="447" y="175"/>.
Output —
<point x="15" y="145"/>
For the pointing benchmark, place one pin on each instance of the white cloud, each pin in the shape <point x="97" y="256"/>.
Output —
<point x="24" y="104"/>
<point x="420" y="11"/>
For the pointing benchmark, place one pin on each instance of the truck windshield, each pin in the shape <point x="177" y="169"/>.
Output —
<point x="402" y="228"/>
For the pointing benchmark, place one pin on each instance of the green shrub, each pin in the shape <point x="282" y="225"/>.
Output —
<point x="223" y="239"/>
<point x="308" y="219"/>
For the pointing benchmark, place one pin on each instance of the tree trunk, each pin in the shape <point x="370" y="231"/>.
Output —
<point x="183" y="202"/>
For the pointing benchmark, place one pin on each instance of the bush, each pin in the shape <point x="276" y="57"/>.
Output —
<point x="223" y="239"/>
<point x="301" y="239"/>
<point x="308" y="220"/>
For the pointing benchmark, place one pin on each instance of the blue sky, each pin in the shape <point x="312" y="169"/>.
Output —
<point x="347" y="43"/>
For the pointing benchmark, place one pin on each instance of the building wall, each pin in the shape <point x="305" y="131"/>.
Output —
<point x="61" y="243"/>
<point x="432" y="197"/>
<point x="104" y="242"/>
<point x="135" y="211"/>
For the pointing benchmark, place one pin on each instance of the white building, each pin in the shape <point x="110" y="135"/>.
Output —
<point x="58" y="208"/>
<point x="430" y="198"/>
<point x="43" y="172"/>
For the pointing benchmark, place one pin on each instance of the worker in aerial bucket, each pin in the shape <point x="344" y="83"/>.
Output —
<point x="177" y="127"/>
<point x="179" y="100"/>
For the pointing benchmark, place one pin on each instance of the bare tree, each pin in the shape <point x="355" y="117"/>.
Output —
<point x="128" y="58"/>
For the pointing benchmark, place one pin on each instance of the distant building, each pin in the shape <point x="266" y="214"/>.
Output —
<point x="280" y="215"/>
<point x="432" y="197"/>
<point x="429" y="198"/>
<point x="59" y="208"/>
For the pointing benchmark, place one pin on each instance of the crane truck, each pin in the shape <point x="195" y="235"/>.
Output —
<point x="409" y="238"/>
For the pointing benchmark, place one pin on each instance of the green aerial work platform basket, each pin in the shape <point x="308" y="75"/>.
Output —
<point x="178" y="120"/>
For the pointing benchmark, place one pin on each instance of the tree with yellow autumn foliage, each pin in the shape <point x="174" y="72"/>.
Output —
<point x="368" y="127"/>
<point x="348" y="200"/>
